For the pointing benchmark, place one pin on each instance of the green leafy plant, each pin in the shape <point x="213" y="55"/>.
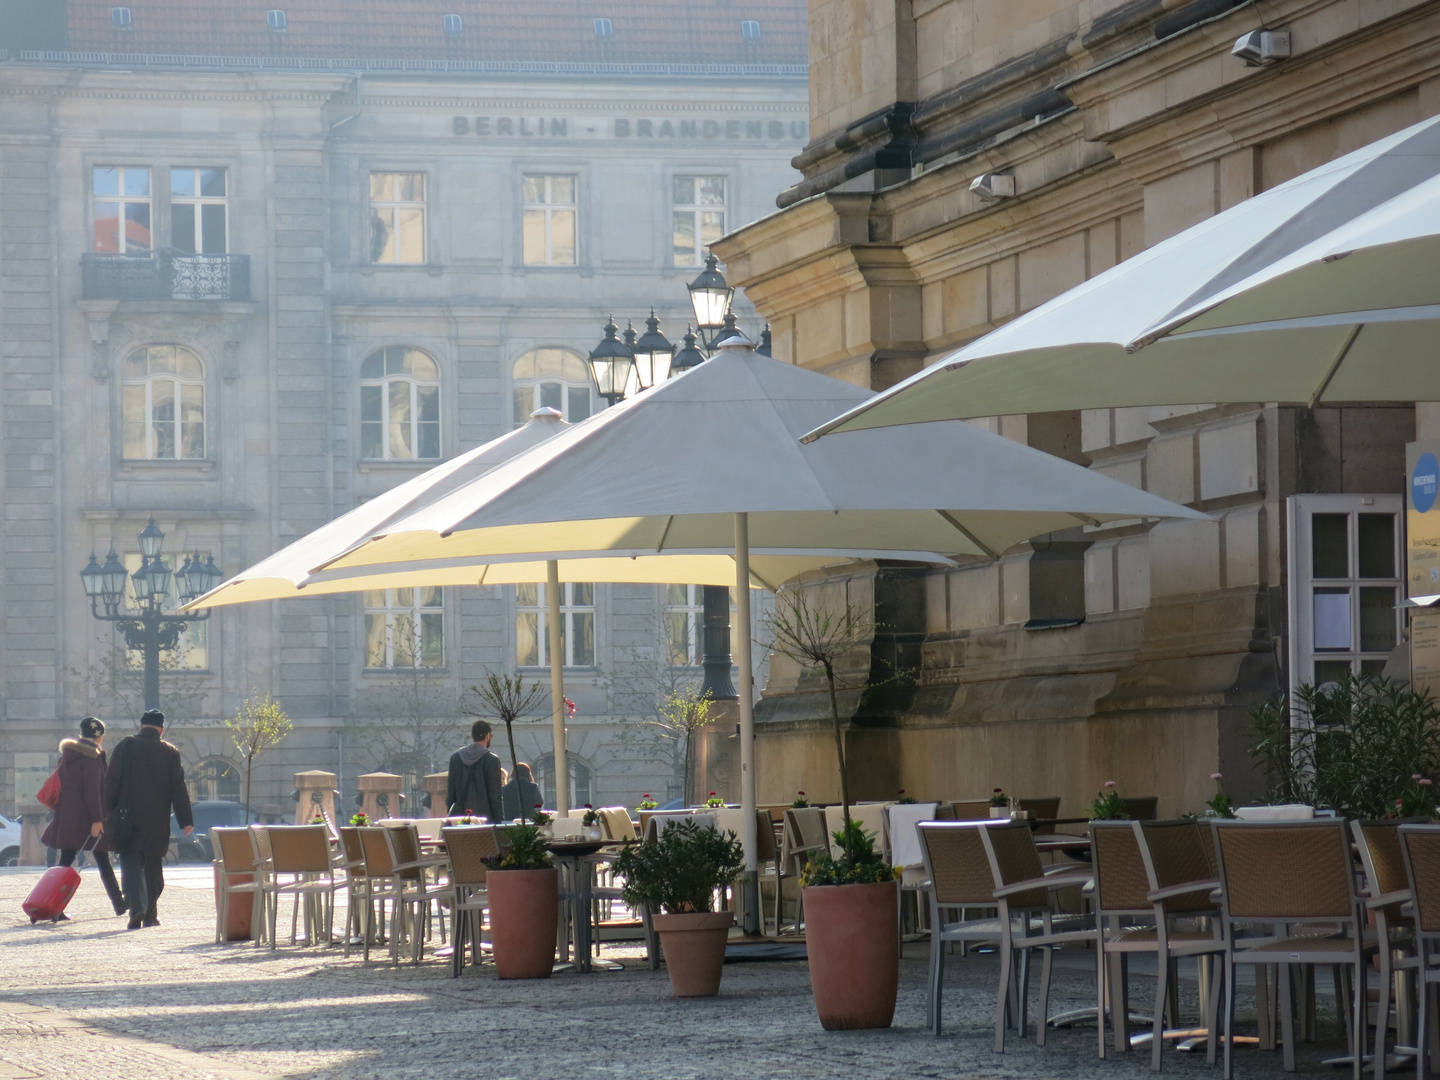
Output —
<point x="999" y="798"/>
<point x="1108" y="805"/>
<point x="903" y="798"/>
<point x="360" y="820"/>
<point x="590" y="817"/>
<point x="859" y="862"/>
<point x="647" y="802"/>
<point x="682" y="870"/>
<point x="1219" y="804"/>
<point x="1417" y="800"/>
<point x="525" y="850"/>
<point x="1353" y="746"/>
<point x="799" y="802"/>
<point x="258" y="726"/>
<point x="714" y="802"/>
<point x="540" y="819"/>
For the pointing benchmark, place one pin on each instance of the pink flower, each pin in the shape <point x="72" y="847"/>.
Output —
<point x="1214" y="776"/>
<point x="1110" y="783"/>
<point x="1426" y="783"/>
<point x="1415" y="776"/>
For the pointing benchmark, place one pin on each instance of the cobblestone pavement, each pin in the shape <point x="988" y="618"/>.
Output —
<point x="88" y="999"/>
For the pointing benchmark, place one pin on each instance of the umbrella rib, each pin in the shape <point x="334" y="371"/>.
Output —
<point x="762" y="581"/>
<point x="660" y="544"/>
<point x="1086" y="518"/>
<point x="1335" y="365"/>
<point x="963" y="531"/>
<point x="484" y="570"/>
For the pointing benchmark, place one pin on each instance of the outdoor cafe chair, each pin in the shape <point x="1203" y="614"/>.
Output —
<point x="300" y="867"/>
<point x="1420" y="846"/>
<point x="379" y="887"/>
<point x="802" y="836"/>
<point x="1387" y="899"/>
<point x="615" y="824"/>
<point x="415" y="894"/>
<point x="236" y="873"/>
<point x="357" y="885"/>
<point x="260" y="846"/>
<point x="1142" y="807"/>
<point x="971" y="810"/>
<point x="467" y="847"/>
<point x="1023" y="889"/>
<point x="1297" y="878"/>
<point x="871" y="817"/>
<point x="1040" y="808"/>
<point x="900" y="822"/>
<point x="1146" y="876"/>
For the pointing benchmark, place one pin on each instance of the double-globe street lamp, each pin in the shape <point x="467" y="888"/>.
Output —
<point x="146" y="627"/>
<point x="624" y="366"/>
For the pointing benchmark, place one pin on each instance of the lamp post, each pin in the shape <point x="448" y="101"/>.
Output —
<point x="146" y="627"/>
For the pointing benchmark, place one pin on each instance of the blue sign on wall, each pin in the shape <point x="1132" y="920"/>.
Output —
<point x="1424" y="482"/>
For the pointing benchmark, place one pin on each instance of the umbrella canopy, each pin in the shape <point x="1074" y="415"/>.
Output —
<point x="1325" y="288"/>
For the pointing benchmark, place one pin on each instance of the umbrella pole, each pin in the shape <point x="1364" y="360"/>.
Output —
<point x="557" y="687"/>
<point x="750" y="911"/>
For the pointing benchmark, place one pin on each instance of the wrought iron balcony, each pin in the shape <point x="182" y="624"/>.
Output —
<point x="165" y="275"/>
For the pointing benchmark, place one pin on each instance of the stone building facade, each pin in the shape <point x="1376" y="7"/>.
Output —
<point x="1131" y="652"/>
<point x="256" y="269"/>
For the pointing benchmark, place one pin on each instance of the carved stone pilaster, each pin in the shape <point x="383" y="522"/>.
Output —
<point x="230" y="361"/>
<point x="100" y="347"/>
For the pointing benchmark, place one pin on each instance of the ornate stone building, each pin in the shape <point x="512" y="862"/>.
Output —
<point x="1129" y="652"/>
<point x="261" y="262"/>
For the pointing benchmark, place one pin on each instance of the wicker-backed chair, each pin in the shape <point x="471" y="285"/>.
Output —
<point x="357" y="885"/>
<point x="1387" y="894"/>
<point x="236" y="873"/>
<point x="467" y="847"/>
<point x="379" y="886"/>
<point x="1292" y="875"/>
<point x="1041" y="808"/>
<point x="802" y="837"/>
<point x="1420" y="848"/>
<point x="1142" y="807"/>
<point x="615" y="824"/>
<point x="1028" y="917"/>
<point x="301" y="867"/>
<point x="415" y="892"/>
<point x="972" y="810"/>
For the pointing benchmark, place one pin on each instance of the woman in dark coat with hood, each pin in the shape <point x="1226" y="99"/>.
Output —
<point x="81" y="813"/>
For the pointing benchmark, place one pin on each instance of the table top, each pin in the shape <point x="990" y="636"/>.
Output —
<point x="1061" y="842"/>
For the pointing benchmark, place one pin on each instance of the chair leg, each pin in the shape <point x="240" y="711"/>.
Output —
<point x="1212" y="1006"/>
<point x="1120" y="1002"/>
<point x="1287" y="1015"/>
<point x="1382" y="1005"/>
<point x="1042" y="1018"/>
<point x="937" y="978"/>
<point x="1100" y="989"/>
<point x="1002" y="996"/>
<point x="1360" y="994"/>
<point x="1163" y="986"/>
<point x="1229" y="1069"/>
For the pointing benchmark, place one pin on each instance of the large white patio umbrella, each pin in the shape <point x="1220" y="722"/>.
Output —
<point x="711" y="458"/>
<point x="1325" y="288"/>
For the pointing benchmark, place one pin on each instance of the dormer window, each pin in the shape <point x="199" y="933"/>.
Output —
<point x="750" y="30"/>
<point x="275" y="19"/>
<point x="120" y="18"/>
<point x="453" y="25"/>
<point x="604" y="28"/>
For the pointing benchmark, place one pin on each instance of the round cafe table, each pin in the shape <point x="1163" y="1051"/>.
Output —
<point x="575" y="858"/>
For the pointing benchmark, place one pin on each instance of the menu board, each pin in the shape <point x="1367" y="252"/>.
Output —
<point x="1422" y="518"/>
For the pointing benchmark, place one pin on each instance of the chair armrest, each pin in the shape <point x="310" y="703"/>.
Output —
<point x="419" y="864"/>
<point x="1183" y="889"/>
<point x="1054" y="881"/>
<point x="1399" y="896"/>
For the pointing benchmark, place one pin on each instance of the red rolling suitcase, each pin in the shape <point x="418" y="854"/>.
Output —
<point x="51" y="893"/>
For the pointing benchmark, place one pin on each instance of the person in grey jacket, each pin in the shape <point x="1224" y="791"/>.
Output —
<point x="475" y="783"/>
<point x="522" y="794"/>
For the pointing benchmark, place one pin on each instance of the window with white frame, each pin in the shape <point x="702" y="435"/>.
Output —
<point x="1345" y="579"/>
<point x="397" y="217"/>
<point x="162" y="404"/>
<point x="552" y="379"/>
<point x="684" y="616"/>
<point x="549" y="220"/>
<point x="199" y="215"/>
<point x="405" y="628"/>
<point x="577" y="625"/>
<point x="399" y="405"/>
<point x="121" y="209"/>
<point x="698" y="216"/>
<point x="214" y="780"/>
<point x="192" y="651"/>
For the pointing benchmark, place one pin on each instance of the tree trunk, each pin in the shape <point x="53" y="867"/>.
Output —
<point x="510" y="736"/>
<point x="249" y="772"/>
<point x="687" y="785"/>
<point x="839" y="747"/>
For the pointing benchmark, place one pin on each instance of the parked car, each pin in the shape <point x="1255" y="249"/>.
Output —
<point x="9" y="841"/>
<point x="209" y="814"/>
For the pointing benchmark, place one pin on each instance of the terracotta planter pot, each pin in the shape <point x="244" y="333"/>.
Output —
<point x="850" y="935"/>
<point x="524" y="917"/>
<point x="694" y="945"/>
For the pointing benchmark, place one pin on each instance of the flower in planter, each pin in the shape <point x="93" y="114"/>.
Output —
<point x="318" y="819"/>
<point x="799" y="801"/>
<point x="714" y="802"/>
<point x="1220" y="805"/>
<point x="903" y="798"/>
<point x="1108" y="805"/>
<point x="1418" y="800"/>
<point x="999" y="798"/>
<point x="591" y="816"/>
<point x="647" y="802"/>
<point x="540" y="818"/>
<point x="860" y="864"/>
<point x="360" y="820"/>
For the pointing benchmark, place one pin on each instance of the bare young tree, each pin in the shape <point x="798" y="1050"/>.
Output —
<point x="509" y="699"/>
<point x="259" y="725"/>
<point x="818" y="635"/>
<point x="682" y="714"/>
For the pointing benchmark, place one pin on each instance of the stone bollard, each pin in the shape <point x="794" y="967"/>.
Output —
<point x="380" y="795"/>
<point x="315" y="792"/>
<point x="435" y="786"/>
<point x="32" y="824"/>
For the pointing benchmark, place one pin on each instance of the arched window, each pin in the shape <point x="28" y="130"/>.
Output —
<point x="552" y="379"/>
<point x="581" y="786"/>
<point x="399" y="405"/>
<point x="215" y="779"/>
<point x="162" y="404"/>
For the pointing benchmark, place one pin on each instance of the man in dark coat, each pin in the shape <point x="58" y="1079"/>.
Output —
<point x="80" y="815"/>
<point x="475" y="784"/>
<point x="147" y="780"/>
<point x="522" y="794"/>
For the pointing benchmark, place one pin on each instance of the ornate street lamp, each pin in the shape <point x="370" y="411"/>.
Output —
<point x="146" y="627"/>
<point x="653" y="354"/>
<point x="610" y="364"/>
<point x="764" y="347"/>
<point x="710" y="296"/>
<point x="687" y="357"/>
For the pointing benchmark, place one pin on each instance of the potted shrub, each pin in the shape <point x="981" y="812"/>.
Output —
<point x="999" y="804"/>
<point x="524" y="906"/>
<point x="1108" y="805"/>
<point x="676" y="877"/>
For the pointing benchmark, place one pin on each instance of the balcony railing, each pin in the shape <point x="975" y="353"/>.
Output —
<point x="165" y="276"/>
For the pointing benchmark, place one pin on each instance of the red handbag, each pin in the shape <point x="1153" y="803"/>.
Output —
<point x="49" y="793"/>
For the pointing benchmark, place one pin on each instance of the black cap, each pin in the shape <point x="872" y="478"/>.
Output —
<point x="153" y="717"/>
<point x="91" y="728"/>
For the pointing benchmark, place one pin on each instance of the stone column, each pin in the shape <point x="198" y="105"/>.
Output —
<point x="32" y="824"/>
<point x="380" y="794"/>
<point x="435" y="785"/>
<point x="314" y="792"/>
